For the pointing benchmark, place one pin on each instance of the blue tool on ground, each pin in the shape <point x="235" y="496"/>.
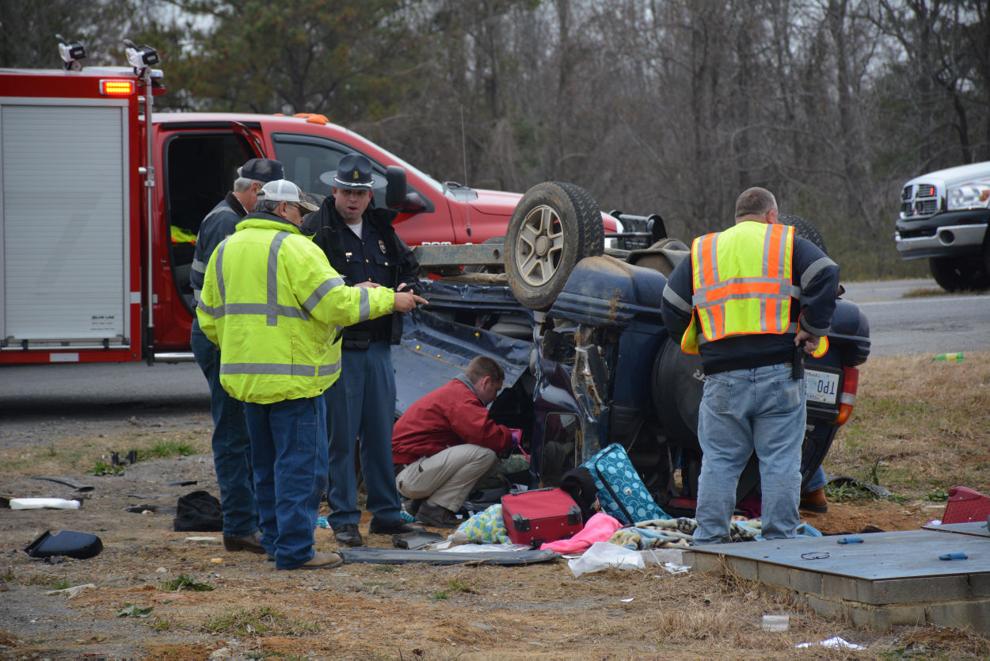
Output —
<point x="955" y="555"/>
<point x="850" y="540"/>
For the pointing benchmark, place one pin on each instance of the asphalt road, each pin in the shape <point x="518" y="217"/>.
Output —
<point x="899" y="325"/>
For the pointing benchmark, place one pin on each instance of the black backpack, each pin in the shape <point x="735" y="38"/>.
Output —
<point x="198" y="511"/>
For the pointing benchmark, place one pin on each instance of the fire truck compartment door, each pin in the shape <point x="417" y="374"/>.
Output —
<point x="64" y="223"/>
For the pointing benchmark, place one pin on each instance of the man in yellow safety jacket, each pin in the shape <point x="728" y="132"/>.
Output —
<point x="274" y="307"/>
<point x="746" y="298"/>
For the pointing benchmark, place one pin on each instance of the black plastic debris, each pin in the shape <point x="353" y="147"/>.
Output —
<point x="70" y="543"/>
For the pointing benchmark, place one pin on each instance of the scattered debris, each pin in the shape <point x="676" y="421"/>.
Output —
<point x="604" y="555"/>
<point x="133" y="610"/>
<point x="78" y="486"/>
<point x="776" y="622"/>
<point x="43" y="503"/>
<point x="78" y="545"/>
<point x="72" y="592"/>
<point x="141" y="509"/>
<point x="203" y="540"/>
<point x="834" y="643"/>
<point x="415" y="540"/>
<point x="216" y="561"/>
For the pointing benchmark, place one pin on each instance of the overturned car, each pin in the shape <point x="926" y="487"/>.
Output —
<point x="588" y="360"/>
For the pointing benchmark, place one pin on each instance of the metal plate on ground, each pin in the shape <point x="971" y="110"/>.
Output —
<point x="978" y="528"/>
<point x="881" y="556"/>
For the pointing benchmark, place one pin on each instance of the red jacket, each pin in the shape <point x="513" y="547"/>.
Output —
<point x="450" y="415"/>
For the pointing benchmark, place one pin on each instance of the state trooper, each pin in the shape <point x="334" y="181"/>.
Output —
<point x="273" y="305"/>
<point x="231" y="446"/>
<point x="361" y="245"/>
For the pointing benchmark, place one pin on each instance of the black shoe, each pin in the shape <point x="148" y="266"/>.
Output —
<point x="436" y="516"/>
<point x="348" y="535"/>
<point x="397" y="528"/>
<point x="249" y="543"/>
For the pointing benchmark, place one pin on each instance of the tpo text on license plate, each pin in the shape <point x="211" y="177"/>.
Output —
<point x="822" y="387"/>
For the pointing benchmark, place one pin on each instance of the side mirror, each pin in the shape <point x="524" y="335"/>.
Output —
<point x="413" y="203"/>
<point x="395" y="189"/>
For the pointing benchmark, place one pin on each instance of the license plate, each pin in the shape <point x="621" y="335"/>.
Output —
<point x="822" y="387"/>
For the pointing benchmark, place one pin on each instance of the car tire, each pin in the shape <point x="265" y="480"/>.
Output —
<point x="805" y="229"/>
<point x="960" y="273"/>
<point x="554" y="226"/>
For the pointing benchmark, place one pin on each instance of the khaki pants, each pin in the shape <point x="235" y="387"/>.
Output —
<point x="446" y="478"/>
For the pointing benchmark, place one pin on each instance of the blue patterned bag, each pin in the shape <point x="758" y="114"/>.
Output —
<point x="621" y="491"/>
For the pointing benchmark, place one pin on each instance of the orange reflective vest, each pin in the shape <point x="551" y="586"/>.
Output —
<point x="742" y="283"/>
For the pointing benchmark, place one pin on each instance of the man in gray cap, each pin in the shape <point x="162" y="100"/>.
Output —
<point x="231" y="446"/>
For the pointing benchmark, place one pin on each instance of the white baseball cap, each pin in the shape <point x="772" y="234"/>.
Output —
<point x="283" y="190"/>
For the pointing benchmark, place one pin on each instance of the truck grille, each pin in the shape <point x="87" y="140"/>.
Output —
<point x="919" y="201"/>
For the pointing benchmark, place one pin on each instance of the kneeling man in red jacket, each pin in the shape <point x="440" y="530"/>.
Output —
<point x="445" y="442"/>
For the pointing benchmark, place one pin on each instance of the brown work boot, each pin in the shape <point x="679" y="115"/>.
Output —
<point x="322" y="560"/>
<point x="814" y="501"/>
<point x="249" y="543"/>
<point x="436" y="516"/>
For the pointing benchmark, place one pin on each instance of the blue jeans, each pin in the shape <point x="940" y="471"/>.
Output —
<point x="816" y="482"/>
<point x="742" y="411"/>
<point x="289" y="448"/>
<point x="362" y="403"/>
<point x="231" y="445"/>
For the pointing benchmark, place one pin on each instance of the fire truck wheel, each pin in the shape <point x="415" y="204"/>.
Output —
<point x="554" y="226"/>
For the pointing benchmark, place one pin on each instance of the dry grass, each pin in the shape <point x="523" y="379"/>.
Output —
<point x="926" y="422"/>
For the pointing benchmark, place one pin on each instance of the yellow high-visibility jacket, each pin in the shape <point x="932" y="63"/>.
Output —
<point x="742" y="283"/>
<point x="275" y="307"/>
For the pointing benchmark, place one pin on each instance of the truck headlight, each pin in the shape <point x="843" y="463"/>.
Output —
<point x="972" y="194"/>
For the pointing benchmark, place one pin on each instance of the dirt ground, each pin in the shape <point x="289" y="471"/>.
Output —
<point x="368" y="611"/>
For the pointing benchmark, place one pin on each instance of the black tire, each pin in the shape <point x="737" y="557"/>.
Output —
<point x="537" y="264"/>
<point x="676" y="390"/>
<point x="960" y="273"/>
<point x="805" y="230"/>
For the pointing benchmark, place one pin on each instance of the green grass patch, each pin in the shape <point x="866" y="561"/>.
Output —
<point x="263" y="621"/>
<point x="184" y="582"/>
<point x="847" y="493"/>
<point x="61" y="584"/>
<point x="440" y="595"/>
<point x="133" y="610"/>
<point x="937" y="495"/>
<point x="457" y="585"/>
<point x="104" y="468"/>
<point x="166" y="449"/>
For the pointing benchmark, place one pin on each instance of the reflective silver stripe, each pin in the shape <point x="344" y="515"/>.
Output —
<point x="198" y="266"/>
<point x="265" y="309"/>
<point x="273" y="277"/>
<point x="814" y="331"/>
<point x="216" y="313"/>
<point x="714" y="241"/>
<point x="327" y="370"/>
<point x="314" y="299"/>
<point x="674" y="299"/>
<point x="198" y="296"/>
<point x="763" y="315"/>
<point x="277" y="369"/>
<point x="737" y="297"/>
<point x="364" y="310"/>
<point x="701" y="295"/>
<point x="816" y="267"/>
<point x="783" y="250"/>
<point x="218" y="267"/>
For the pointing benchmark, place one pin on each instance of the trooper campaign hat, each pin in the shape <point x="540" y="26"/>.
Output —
<point x="354" y="173"/>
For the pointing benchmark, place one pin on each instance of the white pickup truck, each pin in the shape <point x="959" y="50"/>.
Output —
<point x="944" y="217"/>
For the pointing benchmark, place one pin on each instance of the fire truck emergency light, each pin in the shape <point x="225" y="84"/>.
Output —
<point x="116" y="87"/>
<point x="71" y="53"/>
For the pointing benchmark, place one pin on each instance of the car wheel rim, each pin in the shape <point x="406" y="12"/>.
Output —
<point x="539" y="246"/>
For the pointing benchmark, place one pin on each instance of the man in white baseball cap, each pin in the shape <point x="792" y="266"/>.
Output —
<point x="274" y="306"/>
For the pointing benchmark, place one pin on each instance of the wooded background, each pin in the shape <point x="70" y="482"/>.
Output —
<point x="668" y="106"/>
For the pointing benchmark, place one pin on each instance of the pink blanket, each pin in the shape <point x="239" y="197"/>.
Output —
<point x="598" y="529"/>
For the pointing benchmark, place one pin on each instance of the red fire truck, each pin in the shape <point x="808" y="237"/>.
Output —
<point x="101" y="199"/>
